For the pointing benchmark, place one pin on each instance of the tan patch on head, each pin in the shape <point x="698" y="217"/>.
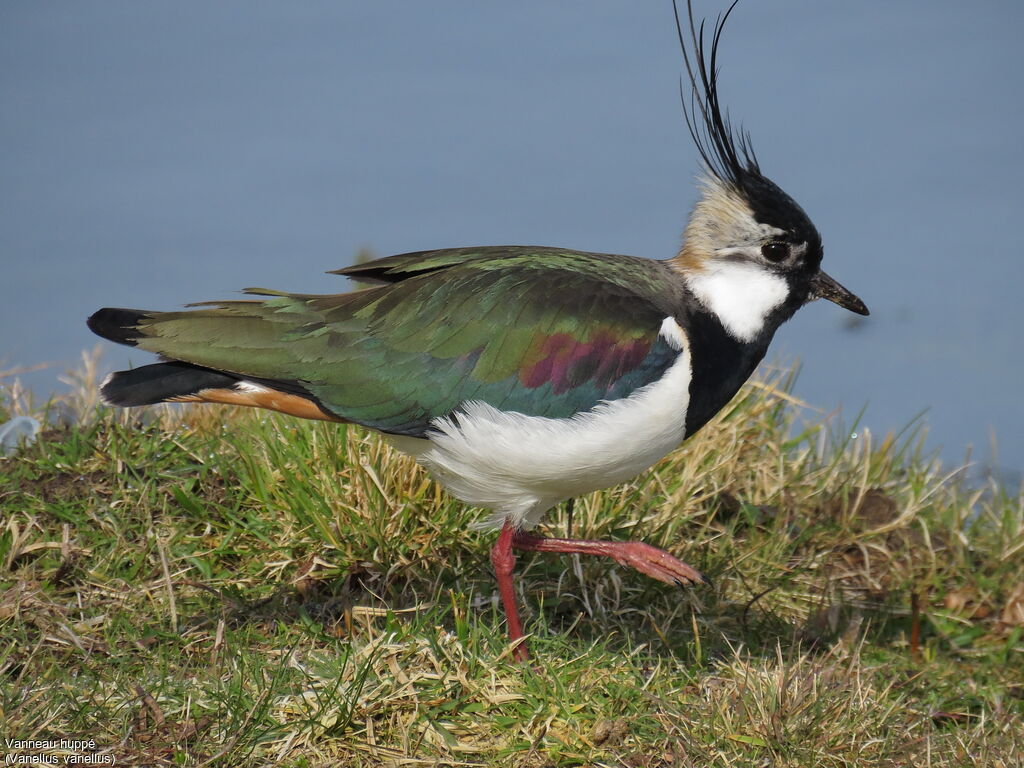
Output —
<point x="722" y="218"/>
<point x="269" y="399"/>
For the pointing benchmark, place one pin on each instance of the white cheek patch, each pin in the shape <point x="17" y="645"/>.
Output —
<point x="742" y="295"/>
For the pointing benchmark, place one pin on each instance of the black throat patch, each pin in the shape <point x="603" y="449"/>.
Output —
<point x="720" y="364"/>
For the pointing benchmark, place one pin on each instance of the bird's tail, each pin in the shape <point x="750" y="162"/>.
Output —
<point x="180" y="381"/>
<point x="163" y="383"/>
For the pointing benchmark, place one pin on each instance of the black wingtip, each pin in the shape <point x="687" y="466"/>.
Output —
<point x="118" y="325"/>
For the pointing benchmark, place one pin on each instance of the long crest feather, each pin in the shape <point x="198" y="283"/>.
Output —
<point x="728" y="154"/>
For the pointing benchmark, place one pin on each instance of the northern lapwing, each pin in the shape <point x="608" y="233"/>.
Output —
<point x="521" y="376"/>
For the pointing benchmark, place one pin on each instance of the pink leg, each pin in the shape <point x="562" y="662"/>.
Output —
<point x="504" y="561"/>
<point x="654" y="562"/>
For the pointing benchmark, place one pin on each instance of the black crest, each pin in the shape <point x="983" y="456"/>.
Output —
<point x="727" y="153"/>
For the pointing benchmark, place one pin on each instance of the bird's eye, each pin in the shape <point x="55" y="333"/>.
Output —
<point x="775" y="251"/>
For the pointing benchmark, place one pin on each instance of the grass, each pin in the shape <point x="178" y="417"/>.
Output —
<point x="218" y="587"/>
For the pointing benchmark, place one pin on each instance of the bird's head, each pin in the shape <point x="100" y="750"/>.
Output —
<point x="751" y="255"/>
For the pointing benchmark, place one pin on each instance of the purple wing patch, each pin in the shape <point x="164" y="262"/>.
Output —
<point x="567" y="362"/>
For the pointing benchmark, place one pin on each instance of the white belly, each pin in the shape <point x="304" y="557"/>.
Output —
<point x="520" y="466"/>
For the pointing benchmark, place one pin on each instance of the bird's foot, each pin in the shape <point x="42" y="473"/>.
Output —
<point x="651" y="561"/>
<point x="654" y="562"/>
<point x="648" y="560"/>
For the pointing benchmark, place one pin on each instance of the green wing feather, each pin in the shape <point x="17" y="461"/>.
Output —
<point x="540" y="331"/>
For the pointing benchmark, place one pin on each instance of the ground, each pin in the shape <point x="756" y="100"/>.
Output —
<point x="224" y="587"/>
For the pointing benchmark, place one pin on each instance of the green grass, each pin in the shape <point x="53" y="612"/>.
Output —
<point x="224" y="587"/>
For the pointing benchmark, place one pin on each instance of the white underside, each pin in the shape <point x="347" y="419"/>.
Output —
<point x="520" y="466"/>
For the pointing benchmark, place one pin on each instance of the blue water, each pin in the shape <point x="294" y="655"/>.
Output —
<point x="155" y="154"/>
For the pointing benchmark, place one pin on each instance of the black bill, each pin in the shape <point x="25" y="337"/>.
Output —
<point x="824" y="287"/>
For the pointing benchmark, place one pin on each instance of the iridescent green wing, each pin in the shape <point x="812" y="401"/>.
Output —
<point x="539" y="331"/>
